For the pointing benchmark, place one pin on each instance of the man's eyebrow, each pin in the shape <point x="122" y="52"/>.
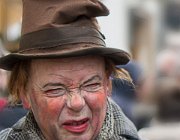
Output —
<point x="93" y="78"/>
<point x="52" y="84"/>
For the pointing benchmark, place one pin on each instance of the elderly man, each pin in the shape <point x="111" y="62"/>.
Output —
<point x="62" y="73"/>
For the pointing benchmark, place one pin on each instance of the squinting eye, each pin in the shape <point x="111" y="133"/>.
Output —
<point x="91" y="87"/>
<point x="55" y="92"/>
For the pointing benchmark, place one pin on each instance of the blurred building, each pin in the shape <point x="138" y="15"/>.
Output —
<point x="10" y="23"/>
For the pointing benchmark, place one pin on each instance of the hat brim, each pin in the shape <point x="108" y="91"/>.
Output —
<point x="119" y="57"/>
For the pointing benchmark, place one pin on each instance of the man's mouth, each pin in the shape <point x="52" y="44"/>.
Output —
<point x="76" y="126"/>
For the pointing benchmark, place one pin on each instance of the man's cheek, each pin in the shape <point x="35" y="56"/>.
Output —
<point x="55" y="106"/>
<point x="96" y="100"/>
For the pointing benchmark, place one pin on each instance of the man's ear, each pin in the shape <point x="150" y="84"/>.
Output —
<point x="24" y="99"/>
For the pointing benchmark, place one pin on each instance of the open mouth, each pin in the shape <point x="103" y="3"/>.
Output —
<point x="76" y="126"/>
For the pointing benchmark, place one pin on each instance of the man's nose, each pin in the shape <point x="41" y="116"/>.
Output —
<point x="75" y="102"/>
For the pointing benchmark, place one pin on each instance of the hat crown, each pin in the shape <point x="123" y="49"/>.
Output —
<point x="59" y="29"/>
<point x="42" y="14"/>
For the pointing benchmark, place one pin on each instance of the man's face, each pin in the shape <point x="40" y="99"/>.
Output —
<point x="68" y="97"/>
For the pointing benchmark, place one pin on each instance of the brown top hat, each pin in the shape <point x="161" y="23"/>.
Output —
<point x="62" y="28"/>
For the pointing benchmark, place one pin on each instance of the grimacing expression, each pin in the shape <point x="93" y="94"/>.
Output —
<point x="68" y="96"/>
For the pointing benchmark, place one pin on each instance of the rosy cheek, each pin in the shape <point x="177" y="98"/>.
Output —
<point x="49" y="106"/>
<point x="53" y="107"/>
<point x="96" y="100"/>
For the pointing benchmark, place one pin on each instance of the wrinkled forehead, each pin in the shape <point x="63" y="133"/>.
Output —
<point x="69" y="64"/>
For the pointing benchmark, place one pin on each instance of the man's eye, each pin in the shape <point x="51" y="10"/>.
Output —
<point x="91" y="87"/>
<point x="55" y="92"/>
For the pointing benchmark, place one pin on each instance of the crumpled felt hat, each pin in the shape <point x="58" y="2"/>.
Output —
<point x="62" y="28"/>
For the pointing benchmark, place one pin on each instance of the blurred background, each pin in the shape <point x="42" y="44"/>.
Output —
<point x="150" y="31"/>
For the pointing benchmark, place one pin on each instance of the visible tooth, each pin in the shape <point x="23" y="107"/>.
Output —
<point x="77" y="123"/>
<point x="74" y="123"/>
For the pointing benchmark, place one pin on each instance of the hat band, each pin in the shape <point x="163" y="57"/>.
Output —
<point x="54" y="37"/>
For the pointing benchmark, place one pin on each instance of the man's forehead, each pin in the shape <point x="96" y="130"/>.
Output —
<point x="70" y="64"/>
